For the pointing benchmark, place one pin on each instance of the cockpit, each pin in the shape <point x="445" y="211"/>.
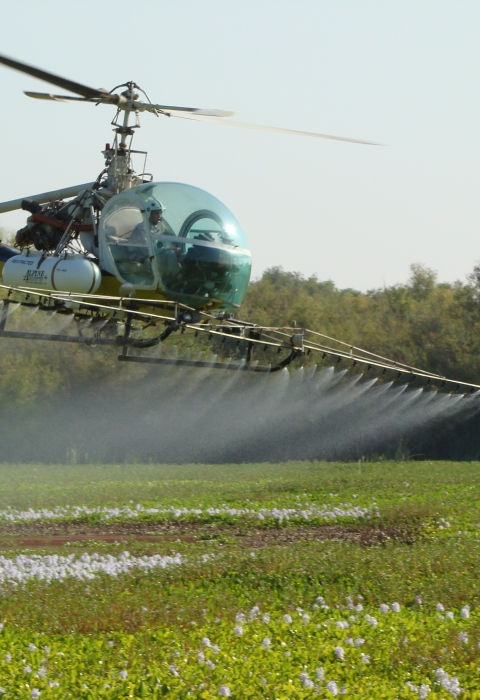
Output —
<point x="177" y="239"/>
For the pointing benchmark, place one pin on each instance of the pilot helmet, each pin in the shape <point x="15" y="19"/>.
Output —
<point x="153" y="205"/>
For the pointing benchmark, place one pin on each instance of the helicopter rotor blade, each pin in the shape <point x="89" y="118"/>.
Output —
<point x="170" y="111"/>
<point x="260" y="127"/>
<point x="74" y="87"/>
<point x="139" y="106"/>
<point x="57" y="98"/>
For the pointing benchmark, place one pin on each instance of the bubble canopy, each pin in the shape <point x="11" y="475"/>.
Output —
<point x="176" y="239"/>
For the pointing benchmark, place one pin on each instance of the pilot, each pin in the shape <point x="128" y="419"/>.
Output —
<point x="168" y="255"/>
<point x="158" y="227"/>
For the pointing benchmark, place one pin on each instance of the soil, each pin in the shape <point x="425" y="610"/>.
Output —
<point x="58" y="534"/>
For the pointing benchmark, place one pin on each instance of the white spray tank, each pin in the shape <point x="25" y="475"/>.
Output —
<point x="68" y="273"/>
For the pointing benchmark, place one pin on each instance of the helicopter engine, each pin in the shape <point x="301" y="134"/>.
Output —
<point x="46" y="225"/>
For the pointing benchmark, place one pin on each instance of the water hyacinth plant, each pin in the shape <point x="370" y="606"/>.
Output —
<point x="191" y="594"/>
<point x="294" y="658"/>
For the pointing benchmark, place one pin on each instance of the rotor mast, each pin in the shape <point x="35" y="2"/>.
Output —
<point x="118" y="159"/>
<point x="120" y="174"/>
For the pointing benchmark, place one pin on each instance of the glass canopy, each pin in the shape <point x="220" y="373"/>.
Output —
<point x="179" y="239"/>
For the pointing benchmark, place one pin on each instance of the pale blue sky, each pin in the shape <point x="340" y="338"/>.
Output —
<point x="404" y="73"/>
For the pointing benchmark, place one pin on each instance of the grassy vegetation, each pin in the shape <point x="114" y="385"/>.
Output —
<point x="139" y="634"/>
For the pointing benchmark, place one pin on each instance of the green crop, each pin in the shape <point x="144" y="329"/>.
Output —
<point x="383" y="605"/>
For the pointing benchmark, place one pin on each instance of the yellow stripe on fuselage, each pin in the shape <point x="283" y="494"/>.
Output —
<point x="110" y="287"/>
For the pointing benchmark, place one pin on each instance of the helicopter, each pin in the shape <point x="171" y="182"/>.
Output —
<point x="133" y="261"/>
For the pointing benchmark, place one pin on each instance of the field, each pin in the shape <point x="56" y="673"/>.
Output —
<point x="285" y="581"/>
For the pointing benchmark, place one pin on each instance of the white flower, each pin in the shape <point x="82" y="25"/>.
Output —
<point x="215" y="649"/>
<point x="201" y="657"/>
<point x="238" y="630"/>
<point x="266" y="618"/>
<point x="210" y="664"/>
<point x="266" y="643"/>
<point x="35" y="694"/>
<point x="348" y="640"/>
<point x="440" y="607"/>
<point x="206" y="642"/>
<point x="359" y="641"/>
<point x="42" y="672"/>
<point x="465" y="612"/>
<point x="343" y="624"/>
<point x="132" y="512"/>
<point x="384" y="608"/>
<point x="253" y="612"/>
<point x="46" y="650"/>
<point x="224" y="691"/>
<point x="240" y="617"/>
<point x="306" y="618"/>
<point x="174" y="670"/>
<point x="110" y="643"/>
<point x="287" y="619"/>
<point x="418" y="600"/>
<point x="287" y="654"/>
<point x="339" y="653"/>
<point x="396" y="607"/>
<point x="371" y="620"/>
<point x="320" y="674"/>
<point x="1" y="626"/>
<point x="448" y="683"/>
<point x="454" y="687"/>
<point x="423" y="691"/>
<point x="359" y="607"/>
<point x="463" y="637"/>
<point x="123" y="675"/>
<point x="321" y="600"/>
<point x="55" y="684"/>
<point x="8" y="658"/>
<point x="308" y="683"/>
<point x="332" y="687"/>
<point x="32" y="647"/>
<point x="365" y="658"/>
<point x="449" y="616"/>
<point x="27" y="669"/>
<point x="2" y="691"/>
<point x="303" y="677"/>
